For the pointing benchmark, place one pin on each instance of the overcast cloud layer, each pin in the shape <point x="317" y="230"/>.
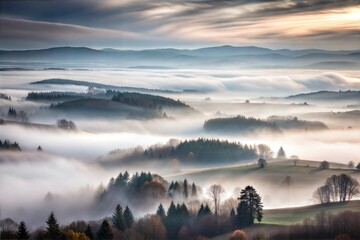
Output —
<point x="333" y="24"/>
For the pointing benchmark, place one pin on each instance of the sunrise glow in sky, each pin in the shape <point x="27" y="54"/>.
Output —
<point x="140" y="24"/>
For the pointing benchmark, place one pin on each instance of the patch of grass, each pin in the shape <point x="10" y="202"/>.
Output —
<point x="289" y="216"/>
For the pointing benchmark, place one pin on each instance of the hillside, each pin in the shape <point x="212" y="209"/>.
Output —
<point x="327" y="96"/>
<point x="274" y="124"/>
<point x="289" y="216"/>
<point x="60" y="81"/>
<point x="105" y="108"/>
<point x="191" y="152"/>
<point x="275" y="218"/>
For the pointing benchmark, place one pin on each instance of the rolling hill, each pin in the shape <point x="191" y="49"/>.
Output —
<point x="215" y="57"/>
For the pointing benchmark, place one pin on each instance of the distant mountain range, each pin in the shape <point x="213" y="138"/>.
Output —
<point x="221" y="57"/>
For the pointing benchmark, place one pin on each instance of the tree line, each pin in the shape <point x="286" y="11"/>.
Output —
<point x="177" y="222"/>
<point x="190" y="151"/>
<point x="7" y="145"/>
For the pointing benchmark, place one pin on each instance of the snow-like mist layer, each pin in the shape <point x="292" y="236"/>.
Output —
<point x="247" y="83"/>
<point x="67" y="166"/>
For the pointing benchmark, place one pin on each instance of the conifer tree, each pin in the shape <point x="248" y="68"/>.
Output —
<point x="250" y="206"/>
<point x="118" y="218"/>
<point x="89" y="232"/>
<point x="161" y="212"/>
<point x="22" y="233"/>
<point x="105" y="232"/>
<point x="193" y="190"/>
<point x="129" y="217"/>
<point x="52" y="228"/>
<point x="185" y="192"/>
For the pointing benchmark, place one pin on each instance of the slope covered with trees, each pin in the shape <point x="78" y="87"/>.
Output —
<point x="187" y="151"/>
<point x="274" y="124"/>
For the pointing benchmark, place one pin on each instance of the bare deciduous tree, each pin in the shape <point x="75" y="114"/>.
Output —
<point x="264" y="151"/>
<point x="216" y="193"/>
<point x="337" y="189"/>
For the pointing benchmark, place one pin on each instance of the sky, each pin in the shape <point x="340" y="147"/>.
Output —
<point x="141" y="24"/>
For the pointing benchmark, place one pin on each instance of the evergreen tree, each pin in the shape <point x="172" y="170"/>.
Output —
<point x="281" y="153"/>
<point x="193" y="190"/>
<point x="207" y="210"/>
<point x="243" y="214"/>
<point x="185" y="192"/>
<point x="250" y="205"/>
<point x="52" y="228"/>
<point x="161" y="212"/>
<point x="118" y="218"/>
<point x="172" y="221"/>
<point x="22" y="232"/>
<point x="128" y="217"/>
<point x="105" y="232"/>
<point x="232" y="217"/>
<point x="89" y="232"/>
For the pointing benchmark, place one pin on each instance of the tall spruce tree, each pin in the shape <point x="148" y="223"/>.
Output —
<point x="193" y="190"/>
<point x="118" y="218"/>
<point x="89" y="232"/>
<point x="22" y="233"/>
<point x="250" y="205"/>
<point x="52" y="228"/>
<point x="128" y="217"/>
<point x="185" y="191"/>
<point x="161" y="212"/>
<point x="105" y="232"/>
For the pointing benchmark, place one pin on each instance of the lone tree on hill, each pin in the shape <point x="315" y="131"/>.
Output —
<point x="324" y="165"/>
<point x="250" y="206"/>
<point x="262" y="163"/>
<point x="281" y="154"/>
<point x="295" y="159"/>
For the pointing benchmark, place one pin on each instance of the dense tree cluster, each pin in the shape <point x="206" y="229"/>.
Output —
<point x="7" y="145"/>
<point x="66" y="124"/>
<point x="239" y="124"/>
<point x="191" y="151"/>
<point x="276" y="124"/>
<point x="145" y="100"/>
<point x="337" y="188"/>
<point x="14" y="115"/>
<point x="293" y="123"/>
<point x="182" y="190"/>
<point x="5" y="96"/>
<point x="42" y="96"/>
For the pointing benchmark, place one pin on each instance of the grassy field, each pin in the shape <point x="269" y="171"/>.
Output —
<point x="270" y="182"/>
<point x="289" y="216"/>
<point x="275" y="218"/>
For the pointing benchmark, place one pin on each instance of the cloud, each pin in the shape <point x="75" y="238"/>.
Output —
<point x="39" y="33"/>
<point x="272" y="23"/>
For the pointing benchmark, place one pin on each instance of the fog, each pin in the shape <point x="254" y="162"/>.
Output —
<point x="69" y="165"/>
